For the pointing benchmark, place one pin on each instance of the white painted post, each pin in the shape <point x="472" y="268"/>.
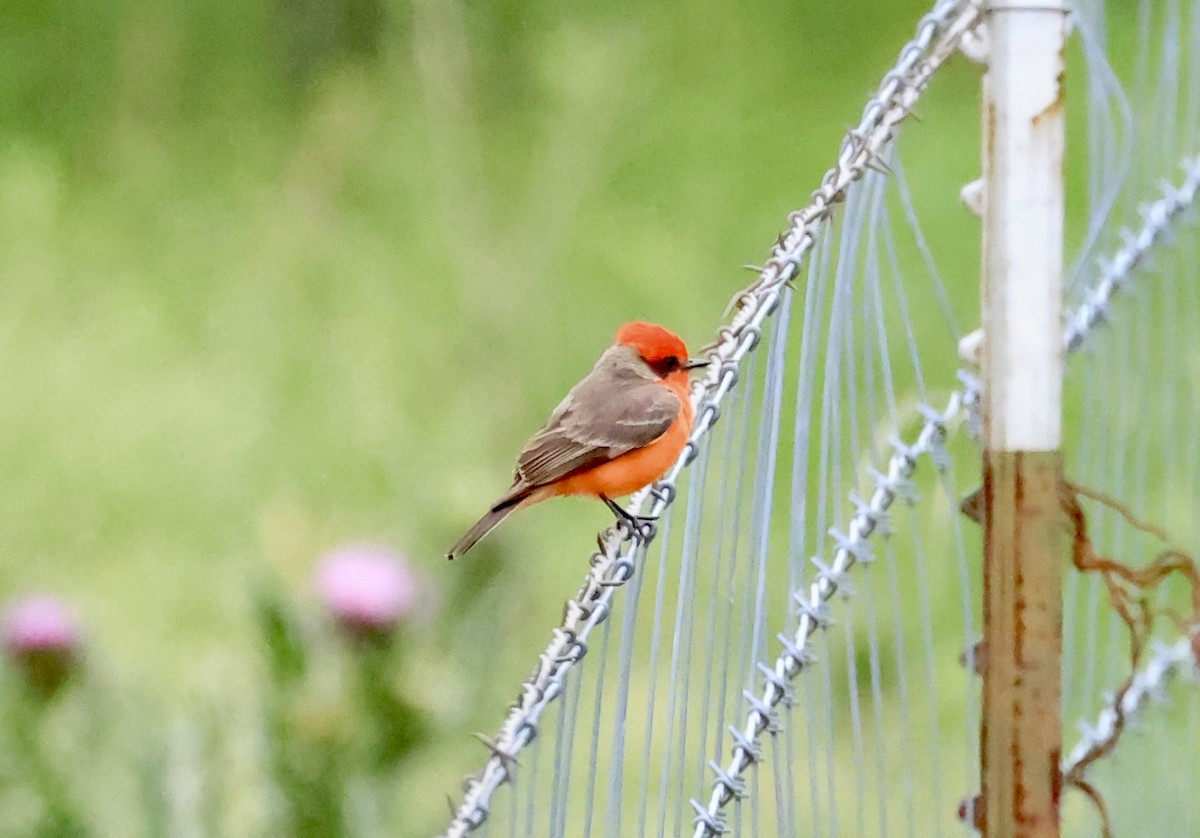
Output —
<point x="1023" y="226"/>
<point x="1022" y="368"/>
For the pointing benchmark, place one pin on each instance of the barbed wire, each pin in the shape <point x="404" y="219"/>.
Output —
<point x="1115" y="274"/>
<point x="612" y="567"/>
<point x="1167" y="661"/>
<point x="1157" y="220"/>
<point x="854" y="547"/>
<point x="938" y="34"/>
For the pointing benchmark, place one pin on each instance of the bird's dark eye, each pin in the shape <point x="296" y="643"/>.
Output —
<point x="665" y="366"/>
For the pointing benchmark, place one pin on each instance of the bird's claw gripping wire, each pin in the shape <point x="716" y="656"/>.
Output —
<point x="640" y="527"/>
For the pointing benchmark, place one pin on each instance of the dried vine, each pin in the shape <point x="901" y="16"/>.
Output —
<point x="1131" y="593"/>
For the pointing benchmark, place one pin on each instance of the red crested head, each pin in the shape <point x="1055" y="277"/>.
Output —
<point x="652" y="342"/>
<point x="662" y="350"/>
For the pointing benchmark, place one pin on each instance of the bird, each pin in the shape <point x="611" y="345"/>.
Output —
<point x="618" y="430"/>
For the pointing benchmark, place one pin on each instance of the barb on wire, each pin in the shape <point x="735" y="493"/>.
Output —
<point x="1157" y="220"/>
<point x="1166" y="662"/>
<point x="938" y="34"/>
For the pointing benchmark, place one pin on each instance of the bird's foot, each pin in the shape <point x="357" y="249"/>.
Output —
<point x="641" y="527"/>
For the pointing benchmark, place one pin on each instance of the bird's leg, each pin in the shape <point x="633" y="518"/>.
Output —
<point x="641" y="526"/>
<point x="621" y="513"/>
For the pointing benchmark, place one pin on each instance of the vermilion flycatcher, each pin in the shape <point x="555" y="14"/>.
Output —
<point x="619" y="429"/>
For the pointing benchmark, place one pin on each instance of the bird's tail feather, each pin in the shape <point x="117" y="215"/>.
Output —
<point x="485" y="525"/>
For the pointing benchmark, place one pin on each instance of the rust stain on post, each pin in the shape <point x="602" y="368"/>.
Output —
<point x="1052" y="111"/>
<point x="1022" y="612"/>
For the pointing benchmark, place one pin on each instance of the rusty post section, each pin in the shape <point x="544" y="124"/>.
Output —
<point x="1022" y="362"/>
<point x="1022" y="613"/>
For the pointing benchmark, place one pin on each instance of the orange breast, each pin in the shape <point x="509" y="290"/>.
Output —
<point x="635" y="469"/>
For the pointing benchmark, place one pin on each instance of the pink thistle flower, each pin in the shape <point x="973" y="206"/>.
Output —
<point x="368" y="590"/>
<point x="41" y="637"/>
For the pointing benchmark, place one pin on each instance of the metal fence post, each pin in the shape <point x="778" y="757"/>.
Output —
<point x="1022" y="367"/>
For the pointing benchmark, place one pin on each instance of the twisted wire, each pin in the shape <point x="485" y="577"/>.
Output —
<point x="938" y="34"/>
<point x="1116" y="274"/>
<point x="1166" y="662"/>
<point x="853" y="547"/>
<point x="1158" y="218"/>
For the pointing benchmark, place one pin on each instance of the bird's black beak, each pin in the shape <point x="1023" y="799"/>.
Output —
<point x="696" y="363"/>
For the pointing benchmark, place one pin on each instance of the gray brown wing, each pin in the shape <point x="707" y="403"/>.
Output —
<point x="603" y="417"/>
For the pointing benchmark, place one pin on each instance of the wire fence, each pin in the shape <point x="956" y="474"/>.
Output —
<point x="938" y="35"/>
<point x="855" y="403"/>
